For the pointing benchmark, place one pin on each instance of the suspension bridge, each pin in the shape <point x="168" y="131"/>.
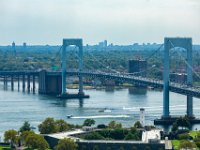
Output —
<point x="55" y="82"/>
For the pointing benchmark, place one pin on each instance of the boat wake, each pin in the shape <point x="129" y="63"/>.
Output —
<point x="100" y="116"/>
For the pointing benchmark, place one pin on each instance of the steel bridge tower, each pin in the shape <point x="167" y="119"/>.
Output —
<point x="79" y="44"/>
<point x="170" y="43"/>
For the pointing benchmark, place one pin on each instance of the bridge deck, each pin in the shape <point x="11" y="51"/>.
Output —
<point x="174" y="87"/>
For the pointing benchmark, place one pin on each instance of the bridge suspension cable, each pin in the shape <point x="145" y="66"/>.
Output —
<point x="155" y="52"/>
<point x="185" y="61"/>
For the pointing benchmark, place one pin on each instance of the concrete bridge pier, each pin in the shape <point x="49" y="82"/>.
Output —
<point x="5" y="83"/>
<point x="23" y="83"/>
<point x="28" y="83"/>
<point x="18" y="82"/>
<point x="33" y="83"/>
<point x="12" y="83"/>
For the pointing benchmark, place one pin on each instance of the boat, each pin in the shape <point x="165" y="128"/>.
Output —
<point x="106" y="110"/>
<point x="69" y="116"/>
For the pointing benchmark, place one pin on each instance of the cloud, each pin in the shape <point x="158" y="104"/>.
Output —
<point x="119" y="21"/>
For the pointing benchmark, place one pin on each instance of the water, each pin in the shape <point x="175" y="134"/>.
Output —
<point x="17" y="107"/>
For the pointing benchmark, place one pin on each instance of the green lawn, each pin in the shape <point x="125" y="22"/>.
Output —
<point x="8" y="148"/>
<point x="193" y="133"/>
<point x="175" y="143"/>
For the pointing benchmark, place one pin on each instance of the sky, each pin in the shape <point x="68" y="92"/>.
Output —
<point x="39" y="22"/>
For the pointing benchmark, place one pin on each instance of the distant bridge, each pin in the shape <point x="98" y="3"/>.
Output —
<point x="55" y="82"/>
<point x="174" y="87"/>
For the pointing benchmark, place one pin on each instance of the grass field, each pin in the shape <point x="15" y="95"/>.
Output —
<point x="175" y="143"/>
<point x="3" y="147"/>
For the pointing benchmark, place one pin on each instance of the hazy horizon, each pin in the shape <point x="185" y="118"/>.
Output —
<point x="120" y="22"/>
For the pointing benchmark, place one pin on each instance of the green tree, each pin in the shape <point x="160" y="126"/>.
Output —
<point x="10" y="136"/>
<point x="66" y="144"/>
<point x="183" y="122"/>
<point x="131" y="136"/>
<point x="174" y="127"/>
<point x="183" y="136"/>
<point x="114" y="125"/>
<point x="185" y="144"/>
<point x="48" y="126"/>
<point x="118" y="134"/>
<point x="62" y="125"/>
<point x="89" y="122"/>
<point x="35" y="141"/>
<point x="24" y="136"/>
<point x="26" y="127"/>
<point x="93" y="136"/>
<point x="138" y="125"/>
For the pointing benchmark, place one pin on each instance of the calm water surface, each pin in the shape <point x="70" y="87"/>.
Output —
<point x="17" y="107"/>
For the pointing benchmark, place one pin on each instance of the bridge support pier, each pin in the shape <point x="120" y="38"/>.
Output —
<point x="12" y="83"/>
<point x="23" y="83"/>
<point x="18" y="81"/>
<point x="33" y="83"/>
<point x="28" y="83"/>
<point x="5" y="83"/>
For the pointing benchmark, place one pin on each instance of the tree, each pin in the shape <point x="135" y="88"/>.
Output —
<point x="35" y="141"/>
<point x="183" y="122"/>
<point x="183" y="136"/>
<point x="24" y="136"/>
<point x="66" y="144"/>
<point x="93" y="136"/>
<point x="62" y="125"/>
<point x="89" y="122"/>
<point x="131" y="136"/>
<point x="26" y="127"/>
<point x="185" y="144"/>
<point x="118" y="134"/>
<point x="174" y="127"/>
<point x="114" y="125"/>
<point x="10" y="136"/>
<point x="48" y="126"/>
<point x="138" y="125"/>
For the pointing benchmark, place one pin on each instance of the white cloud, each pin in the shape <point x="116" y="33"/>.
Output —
<point x="119" y="21"/>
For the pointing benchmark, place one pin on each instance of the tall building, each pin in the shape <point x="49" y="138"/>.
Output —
<point x="137" y="65"/>
<point x="142" y="116"/>
<point x="24" y="45"/>
<point x="103" y="44"/>
<point x="13" y="48"/>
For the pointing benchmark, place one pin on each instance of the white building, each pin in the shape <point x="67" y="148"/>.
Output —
<point x="142" y="116"/>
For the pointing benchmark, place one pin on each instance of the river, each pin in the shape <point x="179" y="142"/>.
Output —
<point x="17" y="107"/>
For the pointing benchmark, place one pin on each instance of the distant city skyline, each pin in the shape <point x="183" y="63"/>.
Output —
<point x="120" y="22"/>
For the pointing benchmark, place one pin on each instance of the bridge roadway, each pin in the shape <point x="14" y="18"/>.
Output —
<point x="174" y="87"/>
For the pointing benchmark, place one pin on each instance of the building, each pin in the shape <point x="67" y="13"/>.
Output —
<point x="137" y="67"/>
<point x="103" y="44"/>
<point x="142" y="116"/>
<point x="14" y="48"/>
<point x="24" y="45"/>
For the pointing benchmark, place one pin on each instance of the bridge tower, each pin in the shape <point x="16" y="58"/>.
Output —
<point x="170" y="43"/>
<point x="79" y="44"/>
